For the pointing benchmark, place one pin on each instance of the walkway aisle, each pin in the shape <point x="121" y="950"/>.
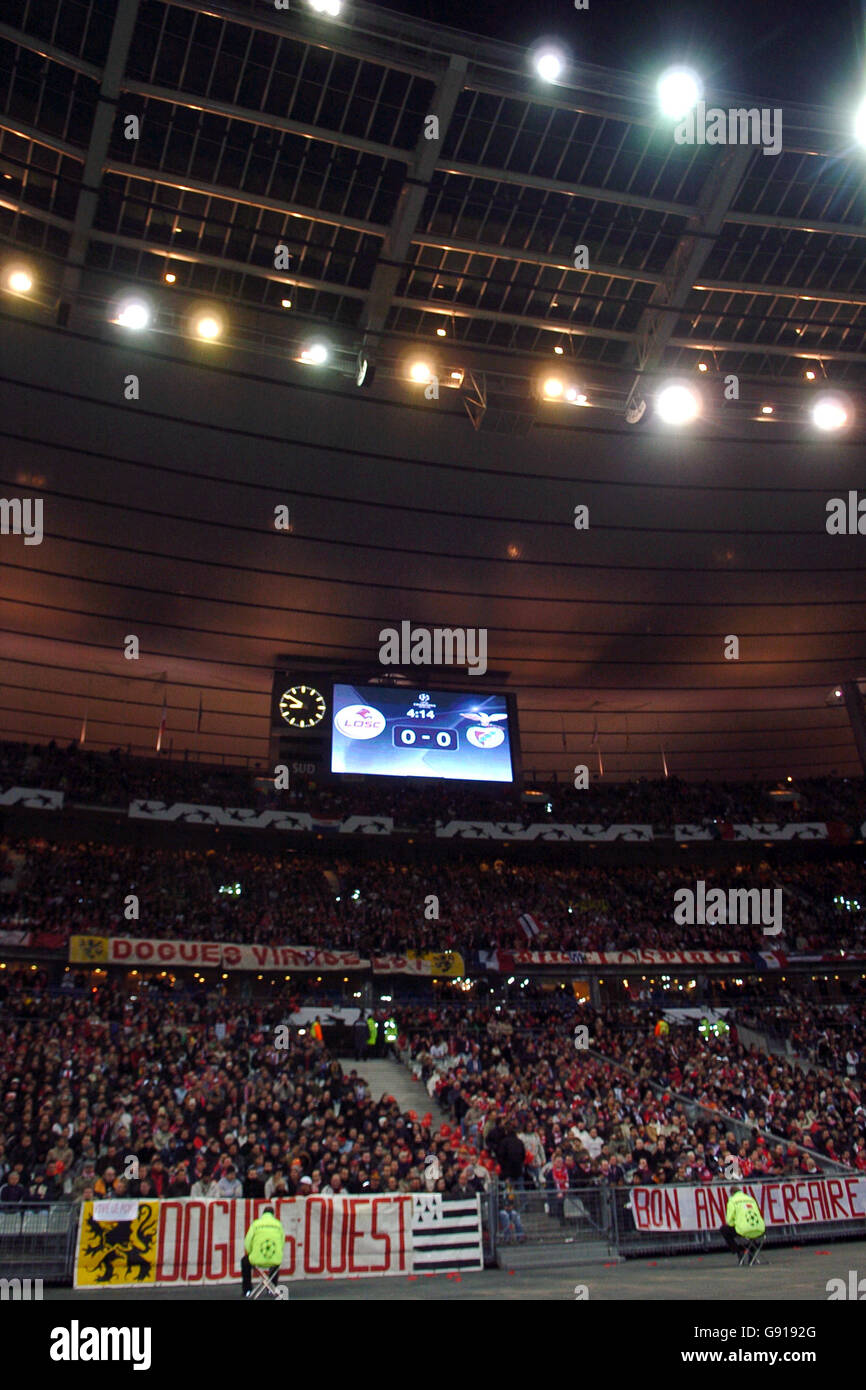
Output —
<point x="387" y="1077"/>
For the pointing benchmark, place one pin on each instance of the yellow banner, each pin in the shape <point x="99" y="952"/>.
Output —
<point x="448" y="964"/>
<point x="117" y="1252"/>
<point x="88" y="950"/>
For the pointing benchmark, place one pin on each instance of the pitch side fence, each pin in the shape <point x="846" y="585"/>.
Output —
<point x="602" y="1219"/>
<point x="39" y="1242"/>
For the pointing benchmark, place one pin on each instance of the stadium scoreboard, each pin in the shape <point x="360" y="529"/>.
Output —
<point x="324" y="725"/>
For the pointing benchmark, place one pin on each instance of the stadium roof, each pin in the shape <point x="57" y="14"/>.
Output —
<point x="260" y="127"/>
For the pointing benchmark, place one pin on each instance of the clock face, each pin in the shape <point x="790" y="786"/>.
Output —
<point x="302" y="707"/>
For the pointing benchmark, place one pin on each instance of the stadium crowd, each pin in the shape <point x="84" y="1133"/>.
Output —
<point x="116" y="778"/>
<point x="626" y="1115"/>
<point x="294" y="897"/>
<point x="103" y="1092"/>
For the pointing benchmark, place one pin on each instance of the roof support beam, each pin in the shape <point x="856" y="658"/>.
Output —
<point x="395" y="248"/>
<point x="48" y="50"/>
<point x="210" y="107"/>
<point x="657" y="323"/>
<point x="234" y="195"/>
<point x="103" y="122"/>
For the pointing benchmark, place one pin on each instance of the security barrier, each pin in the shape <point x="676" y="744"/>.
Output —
<point x="37" y="1241"/>
<point x="667" y="1219"/>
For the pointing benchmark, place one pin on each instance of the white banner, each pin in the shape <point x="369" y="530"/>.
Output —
<point x="188" y="1242"/>
<point x="35" y="797"/>
<point x="788" y="1202"/>
<point x="245" y="818"/>
<point x="230" y="956"/>
<point x="513" y="830"/>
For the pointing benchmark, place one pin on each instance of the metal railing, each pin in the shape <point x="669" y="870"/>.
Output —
<point x="37" y="1240"/>
<point x="599" y="1219"/>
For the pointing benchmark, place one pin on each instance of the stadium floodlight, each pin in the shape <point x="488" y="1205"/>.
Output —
<point x="860" y="124"/>
<point x="208" y="327"/>
<point x="328" y="7"/>
<point x="679" y="90"/>
<point x="553" y="388"/>
<point x="315" y="354"/>
<point x="19" y="280"/>
<point x="132" y="313"/>
<point x="677" y="404"/>
<point x="549" y="64"/>
<point x="829" y="413"/>
<point x="421" y="372"/>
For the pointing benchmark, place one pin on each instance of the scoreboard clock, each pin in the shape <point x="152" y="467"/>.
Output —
<point x="301" y="721"/>
<point x="302" y="707"/>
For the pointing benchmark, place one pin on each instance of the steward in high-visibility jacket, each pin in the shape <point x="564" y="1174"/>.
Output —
<point x="372" y="1031"/>
<point x="744" y="1214"/>
<point x="742" y="1218"/>
<point x="316" y="1031"/>
<point x="263" y="1244"/>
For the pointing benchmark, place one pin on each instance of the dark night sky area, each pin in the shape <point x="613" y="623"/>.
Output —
<point x="804" y="52"/>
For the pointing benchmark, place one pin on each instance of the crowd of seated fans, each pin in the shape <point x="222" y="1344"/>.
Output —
<point x="116" y="778"/>
<point x="828" y="1035"/>
<point x="624" y="1115"/>
<point x="204" y="1099"/>
<point x="298" y="898"/>
<point x="208" y="1099"/>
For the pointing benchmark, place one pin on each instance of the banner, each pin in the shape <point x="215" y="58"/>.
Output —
<point x="447" y="964"/>
<point x="15" y="938"/>
<point x="507" y="961"/>
<point x="186" y="1241"/>
<point x="142" y="950"/>
<point x="145" y="950"/>
<point x="246" y="817"/>
<point x="36" y="798"/>
<point x="240" y="817"/>
<point x="790" y="1202"/>
<point x="514" y="830"/>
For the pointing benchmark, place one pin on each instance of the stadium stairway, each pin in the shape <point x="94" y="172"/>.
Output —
<point x="387" y="1077"/>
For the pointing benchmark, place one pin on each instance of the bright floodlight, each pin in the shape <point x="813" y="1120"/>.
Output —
<point x="208" y="327"/>
<point x="678" y="91"/>
<point x="316" y="354"/>
<point x="133" y="313"/>
<point x="549" y="65"/>
<point x="860" y="124"/>
<point x="19" y="281"/>
<point x="553" y="388"/>
<point x="829" y="413"/>
<point x="420" y="371"/>
<point x="331" y="7"/>
<point x="676" y="405"/>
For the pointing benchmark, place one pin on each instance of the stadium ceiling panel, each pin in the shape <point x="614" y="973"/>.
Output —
<point x="260" y="127"/>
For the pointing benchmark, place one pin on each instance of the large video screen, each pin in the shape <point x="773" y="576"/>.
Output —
<point x="390" y="731"/>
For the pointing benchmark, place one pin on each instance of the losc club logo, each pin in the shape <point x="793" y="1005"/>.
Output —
<point x="485" y="738"/>
<point x="359" y="721"/>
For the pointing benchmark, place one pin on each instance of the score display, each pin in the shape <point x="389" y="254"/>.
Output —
<point x="395" y="731"/>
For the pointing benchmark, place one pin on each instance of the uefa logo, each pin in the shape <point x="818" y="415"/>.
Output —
<point x="359" y="721"/>
<point x="485" y="738"/>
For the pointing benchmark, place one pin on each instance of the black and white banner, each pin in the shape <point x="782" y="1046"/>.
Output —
<point x="446" y="1234"/>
